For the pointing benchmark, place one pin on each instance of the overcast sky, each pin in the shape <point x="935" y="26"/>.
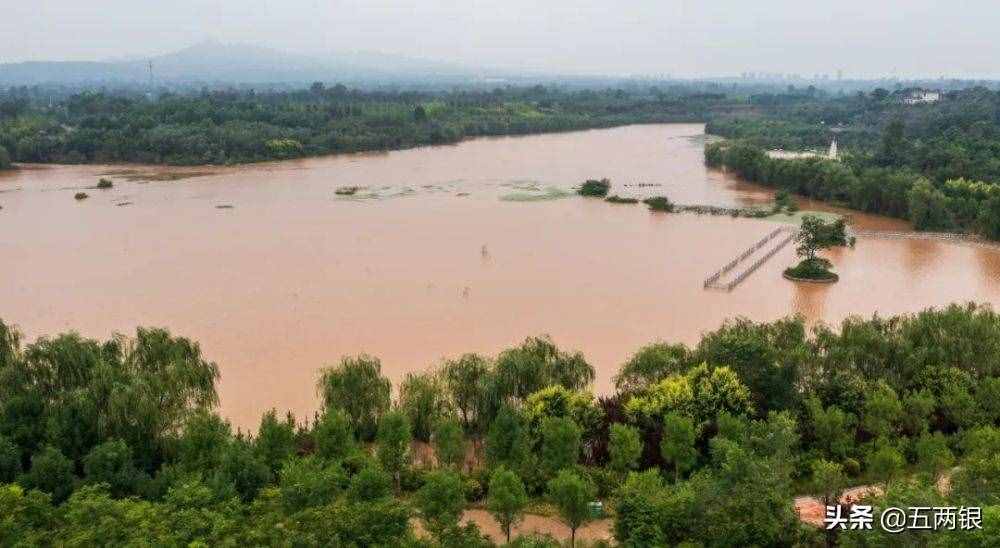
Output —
<point x="654" y="37"/>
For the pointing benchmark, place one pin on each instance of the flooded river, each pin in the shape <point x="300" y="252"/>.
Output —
<point x="445" y="250"/>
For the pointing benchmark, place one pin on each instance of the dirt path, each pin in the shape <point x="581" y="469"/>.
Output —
<point x="812" y="511"/>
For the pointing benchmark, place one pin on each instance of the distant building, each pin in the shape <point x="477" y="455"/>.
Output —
<point x="919" y="96"/>
<point x="832" y="154"/>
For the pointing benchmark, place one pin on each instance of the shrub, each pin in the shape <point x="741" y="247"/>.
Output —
<point x="619" y="200"/>
<point x="595" y="188"/>
<point x="659" y="203"/>
<point x="104" y="184"/>
<point x="812" y="269"/>
<point x="81" y="196"/>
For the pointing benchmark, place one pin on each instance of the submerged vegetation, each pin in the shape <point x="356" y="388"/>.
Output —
<point x="615" y="199"/>
<point x="117" y="442"/>
<point x="536" y="195"/>
<point x="595" y="188"/>
<point x="347" y="190"/>
<point x="659" y="203"/>
<point x="813" y="236"/>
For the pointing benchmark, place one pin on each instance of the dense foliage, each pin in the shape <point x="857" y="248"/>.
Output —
<point x="117" y="443"/>
<point x="937" y="164"/>
<point x="222" y="127"/>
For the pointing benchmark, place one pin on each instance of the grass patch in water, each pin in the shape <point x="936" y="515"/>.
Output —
<point x="550" y="193"/>
<point x="347" y="190"/>
<point x="796" y="218"/>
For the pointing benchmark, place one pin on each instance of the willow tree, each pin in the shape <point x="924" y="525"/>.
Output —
<point x="357" y="387"/>
<point x="465" y="380"/>
<point x="139" y="390"/>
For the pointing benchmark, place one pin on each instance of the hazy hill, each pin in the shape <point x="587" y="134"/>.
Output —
<point x="213" y="62"/>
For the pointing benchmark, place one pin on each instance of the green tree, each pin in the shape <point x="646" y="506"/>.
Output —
<point x="894" y="148"/>
<point x="10" y="460"/>
<point x="29" y="519"/>
<point x="508" y="440"/>
<point x="203" y="442"/>
<point x="449" y="443"/>
<point x="988" y="220"/>
<point x="424" y="400"/>
<point x="275" y="440"/>
<point x="441" y="500"/>
<point x="51" y="472"/>
<point x="988" y="399"/>
<point x="678" y="443"/>
<point x="884" y="462"/>
<point x="651" y="364"/>
<point x="309" y="482"/>
<point x="917" y="409"/>
<point x="933" y="454"/>
<point x="958" y="406"/>
<point x="242" y="469"/>
<point x="815" y="235"/>
<point x="560" y="444"/>
<point x="929" y="207"/>
<point x="357" y="387"/>
<point x="370" y="483"/>
<point x="5" y="162"/>
<point x="624" y="448"/>
<point x="882" y="410"/>
<point x="827" y="483"/>
<point x="334" y="435"/>
<point x="507" y="499"/>
<point x="111" y="463"/>
<point x="571" y="496"/>
<point x="832" y="429"/>
<point x="394" y="439"/>
<point x="465" y="379"/>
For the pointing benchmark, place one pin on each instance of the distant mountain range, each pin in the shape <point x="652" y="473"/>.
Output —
<point x="214" y="62"/>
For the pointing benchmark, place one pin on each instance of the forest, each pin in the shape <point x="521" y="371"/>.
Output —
<point x="118" y="442"/>
<point x="238" y="126"/>
<point x="937" y="164"/>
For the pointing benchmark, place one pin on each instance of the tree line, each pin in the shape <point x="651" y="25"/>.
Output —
<point x="117" y="442"/>
<point x="955" y="205"/>
<point x="936" y="164"/>
<point x="226" y="127"/>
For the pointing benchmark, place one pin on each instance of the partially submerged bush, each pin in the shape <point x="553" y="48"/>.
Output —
<point x="595" y="188"/>
<point x="659" y="203"/>
<point x="812" y="269"/>
<point x="105" y="184"/>
<point x="347" y="190"/>
<point x="81" y="196"/>
<point x="619" y="200"/>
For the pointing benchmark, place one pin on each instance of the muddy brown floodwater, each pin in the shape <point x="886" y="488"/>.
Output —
<point x="276" y="275"/>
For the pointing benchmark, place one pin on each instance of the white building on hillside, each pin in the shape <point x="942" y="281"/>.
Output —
<point x="919" y="96"/>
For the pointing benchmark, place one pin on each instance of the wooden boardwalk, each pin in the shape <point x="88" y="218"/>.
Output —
<point x="780" y="237"/>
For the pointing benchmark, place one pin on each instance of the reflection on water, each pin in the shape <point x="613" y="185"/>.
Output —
<point x="294" y="276"/>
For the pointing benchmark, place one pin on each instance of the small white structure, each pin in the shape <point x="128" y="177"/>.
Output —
<point x="832" y="154"/>
<point x="919" y="96"/>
